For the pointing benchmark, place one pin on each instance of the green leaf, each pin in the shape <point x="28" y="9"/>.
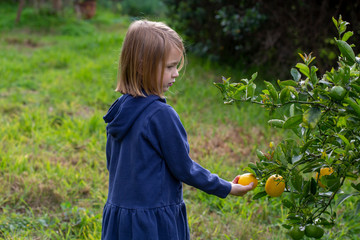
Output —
<point x="357" y="207"/>
<point x="324" y="222"/>
<point x="353" y="105"/>
<point x="296" y="158"/>
<point x="306" y="188"/>
<point x="335" y="22"/>
<point x="313" y="76"/>
<point x="292" y="216"/>
<point x="240" y="92"/>
<point x="277" y="123"/>
<point x="311" y="117"/>
<point x="292" y="110"/>
<point x="287" y="203"/>
<point x="220" y="86"/>
<point x="307" y="144"/>
<point x="287" y="226"/>
<point x="287" y="83"/>
<point x="295" y="74"/>
<point x="249" y="169"/>
<point x="346" y="36"/>
<point x="344" y="139"/>
<point x="297" y="181"/>
<point x="250" y="90"/>
<point x="272" y="91"/>
<point x="293" y="91"/>
<point x="313" y="186"/>
<point x="331" y="181"/>
<point x="303" y="69"/>
<point x="293" y="122"/>
<point x="347" y="51"/>
<point x="253" y="77"/>
<point x="284" y="95"/>
<point x="357" y="186"/>
<point x="260" y="155"/>
<point x="342" y="27"/>
<point x="259" y="195"/>
<point x="355" y="87"/>
<point x="252" y="166"/>
<point x="342" y="198"/>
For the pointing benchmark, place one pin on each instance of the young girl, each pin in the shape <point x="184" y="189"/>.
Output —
<point x="147" y="149"/>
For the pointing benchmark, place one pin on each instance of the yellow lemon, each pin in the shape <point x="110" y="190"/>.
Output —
<point x="248" y="178"/>
<point x="275" y="185"/>
<point x="324" y="171"/>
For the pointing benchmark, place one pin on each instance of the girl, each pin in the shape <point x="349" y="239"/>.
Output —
<point x="147" y="149"/>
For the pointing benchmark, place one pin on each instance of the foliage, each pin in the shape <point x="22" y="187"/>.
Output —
<point x="215" y="28"/>
<point x="143" y="7"/>
<point x="260" y="33"/>
<point x="324" y="115"/>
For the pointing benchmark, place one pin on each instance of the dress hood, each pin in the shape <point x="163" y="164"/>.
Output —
<point x="124" y="112"/>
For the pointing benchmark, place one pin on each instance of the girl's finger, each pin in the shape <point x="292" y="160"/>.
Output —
<point x="236" y="179"/>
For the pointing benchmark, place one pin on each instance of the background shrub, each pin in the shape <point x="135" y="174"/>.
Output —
<point x="258" y="32"/>
<point x="142" y="7"/>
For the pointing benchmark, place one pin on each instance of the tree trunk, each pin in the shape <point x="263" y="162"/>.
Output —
<point x="57" y="5"/>
<point x="20" y="8"/>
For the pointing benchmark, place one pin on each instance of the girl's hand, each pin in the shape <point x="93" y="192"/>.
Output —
<point x="239" y="190"/>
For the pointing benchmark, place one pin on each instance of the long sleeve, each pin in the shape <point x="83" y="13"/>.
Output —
<point x="165" y="126"/>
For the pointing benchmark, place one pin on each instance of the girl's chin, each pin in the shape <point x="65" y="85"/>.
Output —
<point x="165" y="89"/>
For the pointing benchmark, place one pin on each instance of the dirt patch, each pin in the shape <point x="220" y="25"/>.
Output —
<point x="231" y="142"/>
<point x="32" y="193"/>
<point x="20" y="42"/>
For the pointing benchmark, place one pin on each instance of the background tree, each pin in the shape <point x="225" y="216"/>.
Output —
<point x="323" y="112"/>
<point x="261" y="32"/>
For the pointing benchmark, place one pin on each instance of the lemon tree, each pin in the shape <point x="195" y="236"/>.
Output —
<point x="323" y="112"/>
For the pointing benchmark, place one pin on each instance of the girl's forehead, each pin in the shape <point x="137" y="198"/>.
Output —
<point x="174" y="55"/>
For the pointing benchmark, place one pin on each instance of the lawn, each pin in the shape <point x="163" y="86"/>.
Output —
<point x="57" y="80"/>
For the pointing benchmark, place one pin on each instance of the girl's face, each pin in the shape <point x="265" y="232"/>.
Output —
<point x="170" y="71"/>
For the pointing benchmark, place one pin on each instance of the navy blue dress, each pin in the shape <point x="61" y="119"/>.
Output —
<point x="148" y="159"/>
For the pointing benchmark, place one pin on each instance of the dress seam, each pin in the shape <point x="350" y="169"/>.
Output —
<point x="151" y="208"/>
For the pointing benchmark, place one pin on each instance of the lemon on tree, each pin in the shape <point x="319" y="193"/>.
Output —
<point x="247" y="178"/>
<point x="314" y="231"/>
<point x="337" y="93"/>
<point x="296" y="233"/>
<point x="323" y="172"/>
<point x="275" y="185"/>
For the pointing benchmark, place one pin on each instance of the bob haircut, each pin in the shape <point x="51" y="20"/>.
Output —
<point x="146" y="45"/>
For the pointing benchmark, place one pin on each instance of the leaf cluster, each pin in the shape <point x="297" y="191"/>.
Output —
<point x="323" y="112"/>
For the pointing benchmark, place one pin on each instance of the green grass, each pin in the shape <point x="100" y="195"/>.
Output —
<point x="57" y="80"/>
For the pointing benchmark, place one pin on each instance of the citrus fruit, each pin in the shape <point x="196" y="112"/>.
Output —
<point x="337" y="93"/>
<point x="324" y="171"/>
<point x="296" y="234"/>
<point x="248" y="178"/>
<point x="275" y="185"/>
<point x="314" y="231"/>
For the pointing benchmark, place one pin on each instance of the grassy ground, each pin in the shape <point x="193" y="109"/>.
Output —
<point x="56" y="82"/>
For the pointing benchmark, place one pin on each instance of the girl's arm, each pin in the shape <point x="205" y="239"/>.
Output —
<point x="169" y="134"/>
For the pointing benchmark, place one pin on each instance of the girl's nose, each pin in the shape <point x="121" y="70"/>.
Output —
<point x="175" y="74"/>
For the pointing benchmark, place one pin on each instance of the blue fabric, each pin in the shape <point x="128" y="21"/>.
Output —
<point x="148" y="159"/>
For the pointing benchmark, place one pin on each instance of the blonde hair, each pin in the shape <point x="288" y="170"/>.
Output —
<point x="146" y="45"/>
